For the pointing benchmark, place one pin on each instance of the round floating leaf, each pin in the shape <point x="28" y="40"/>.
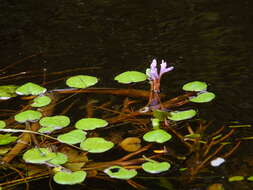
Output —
<point x="38" y="155"/>
<point x="182" y="115"/>
<point x="120" y="172"/>
<point x="7" y="139"/>
<point x="155" y="167"/>
<point x="203" y="97"/>
<point x="41" y="101"/>
<point x="7" y="92"/>
<point x="2" y="124"/>
<point x="59" y="159"/>
<point x="235" y="178"/>
<point x="131" y="144"/>
<point x="67" y="178"/>
<point x="130" y="76"/>
<point x="96" y="145"/>
<point x="58" y="121"/>
<point x="250" y="178"/>
<point x="30" y="89"/>
<point x="195" y="86"/>
<point x="46" y="129"/>
<point x="90" y="123"/>
<point x="28" y="115"/>
<point x="72" y="137"/>
<point x="81" y="81"/>
<point x="157" y="135"/>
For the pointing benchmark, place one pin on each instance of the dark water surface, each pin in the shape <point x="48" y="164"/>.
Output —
<point x="209" y="40"/>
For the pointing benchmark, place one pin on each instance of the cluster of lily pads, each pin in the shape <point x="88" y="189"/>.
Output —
<point x="80" y="134"/>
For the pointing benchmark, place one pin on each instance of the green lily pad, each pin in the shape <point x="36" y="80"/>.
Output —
<point x="7" y="92"/>
<point x="195" y="86"/>
<point x="250" y="178"/>
<point x="155" y="167"/>
<point x="203" y="97"/>
<point x="2" y="124"/>
<point x="59" y="159"/>
<point x="72" y="137"/>
<point x="7" y="139"/>
<point x="81" y="81"/>
<point x="28" y="115"/>
<point x="70" y="178"/>
<point x="30" y="89"/>
<point x="57" y="122"/>
<point x="130" y="76"/>
<point x="120" y="172"/>
<point x="157" y="135"/>
<point x="41" y="101"/>
<point x="182" y="115"/>
<point x="38" y="155"/>
<point x="96" y="145"/>
<point x="90" y="123"/>
<point x="236" y="178"/>
<point x="46" y="129"/>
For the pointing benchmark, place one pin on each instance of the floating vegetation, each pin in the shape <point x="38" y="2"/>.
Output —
<point x="96" y="145"/>
<point x="182" y="115"/>
<point x="2" y="124"/>
<point x="130" y="76"/>
<point x="157" y="135"/>
<point x="195" y="86"/>
<point x="90" y="123"/>
<point x="28" y="115"/>
<point x="81" y="81"/>
<point x="70" y="178"/>
<point x="72" y="137"/>
<point x="7" y="92"/>
<point x="41" y="101"/>
<point x="125" y="131"/>
<point x="120" y="172"/>
<point x="203" y="97"/>
<point x="30" y="89"/>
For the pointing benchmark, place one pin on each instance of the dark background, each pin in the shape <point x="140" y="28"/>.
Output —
<point x="208" y="40"/>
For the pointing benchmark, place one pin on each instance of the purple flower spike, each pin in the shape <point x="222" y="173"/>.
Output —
<point x="153" y="70"/>
<point x="164" y="68"/>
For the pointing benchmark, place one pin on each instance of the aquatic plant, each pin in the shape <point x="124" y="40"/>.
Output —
<point x="68" y="147"/>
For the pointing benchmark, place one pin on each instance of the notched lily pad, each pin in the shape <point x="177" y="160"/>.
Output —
<point x="90" y="123"/>
<point x="59" y="159"/>
<point x="7" y="92"/>
<point x="157" y="135"/>
<point x="28" y="115"/>
<point x="203" y="97"/>
<point x="235" y="178"/>
<point x="70" y="178"/>
<point x="38" y="155"/>
<point x="182" y="115"/>
<point x="46" y="129"/>
<point x="131" y="144"/>
<point x="30" y="89"/>
<point x="155" y="167"/>
<point x="130" y="76"/>
<point x="81" y="81"/>
<point x="2" y="124"/>
<point x="120" y="172"/>
<point x="195" y="86"/>
<point x="7" y="139"/>
<point x="96" y="145"/>
<point x="41" y="101"/>
<point x="72" y="137"/>
<point x="58" y="121"/>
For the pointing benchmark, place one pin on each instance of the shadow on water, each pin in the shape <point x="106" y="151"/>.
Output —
<point x="204" y="40"/>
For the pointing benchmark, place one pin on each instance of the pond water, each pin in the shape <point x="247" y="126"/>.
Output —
<point x="204" y="40"/>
